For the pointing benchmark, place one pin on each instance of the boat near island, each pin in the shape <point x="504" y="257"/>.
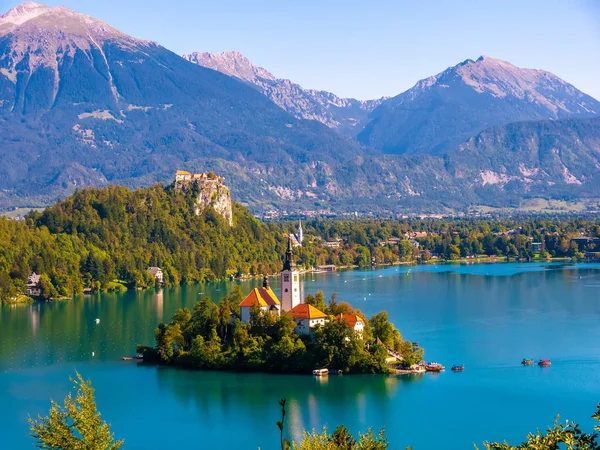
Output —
<point x="320" y="372"/>
<point x="527" y="362"/>
<point x="544" y="363"/>
<point x="434" y="367"/>
<point x="458" y="368"/>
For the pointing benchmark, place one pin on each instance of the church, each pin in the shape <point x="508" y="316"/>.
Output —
<point x="305" y="316"/>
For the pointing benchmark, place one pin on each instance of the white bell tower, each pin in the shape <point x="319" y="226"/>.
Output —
<point x="290" y="281"/>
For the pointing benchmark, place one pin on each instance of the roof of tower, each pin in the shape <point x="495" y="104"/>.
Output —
<point x="288" y="263"/>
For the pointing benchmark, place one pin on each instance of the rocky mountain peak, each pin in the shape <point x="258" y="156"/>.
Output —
<point x="344" y="114"/>
<point x="439" y="112"/>
<point x="22" y="13"/>
<point x="34" y="18"/>
<point x="230" y="63"/>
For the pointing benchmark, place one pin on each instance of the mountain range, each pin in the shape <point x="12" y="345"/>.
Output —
<point x="82" y="103"/>
<point x="347" y="115"/>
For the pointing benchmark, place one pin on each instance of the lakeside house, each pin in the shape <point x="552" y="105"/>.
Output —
<point x="307" y="317"/>
<point x="355" y="323"/>
<point x="327" y="268"/>
<point x="536" y="247"/>
<point x="157" y="273"/>
<point x="33" y="285"/>
<point x="264" y="298"/>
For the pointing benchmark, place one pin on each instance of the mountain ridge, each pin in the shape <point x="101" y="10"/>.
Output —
<point x="81" y="105"/>
<point x="347" y="115"/>
<point x="441" y="111"/>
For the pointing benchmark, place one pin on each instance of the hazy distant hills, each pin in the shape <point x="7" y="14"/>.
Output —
<point x="347" y="115"/>
<point x="84" y="104"/>
<point x="442" y="111"/>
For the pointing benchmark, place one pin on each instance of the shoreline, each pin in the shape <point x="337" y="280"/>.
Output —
<point x="469" y="261"/>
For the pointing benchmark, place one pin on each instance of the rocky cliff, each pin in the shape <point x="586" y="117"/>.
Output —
<point x="210" y="192"/>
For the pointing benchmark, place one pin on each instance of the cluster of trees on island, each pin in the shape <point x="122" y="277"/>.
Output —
<point x="77" y="424"/>
<point x="210" y="336"/>
<point x="106" y="238"/>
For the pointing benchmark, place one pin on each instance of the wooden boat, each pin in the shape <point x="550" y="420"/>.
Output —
<point x="458" y="368"/>
<point x="544" y="363"/>
<point x="320" y="372"/>
<point x="127" y="358"/>
<point x="527" y="362"/>
<point x="434" y="367"/>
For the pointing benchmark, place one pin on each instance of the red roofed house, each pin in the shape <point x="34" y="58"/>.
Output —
<point x="307" y="317"/>
<point x="354" y="322"/>
<point x="264" y="297"/>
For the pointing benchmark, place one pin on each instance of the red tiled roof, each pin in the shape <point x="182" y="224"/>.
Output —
<point x="262" y="297"/>
<point x="305" y="311"/>
<point x="350" y="319"/>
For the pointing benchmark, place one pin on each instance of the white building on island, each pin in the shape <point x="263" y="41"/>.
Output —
<point x="264" y="298"/>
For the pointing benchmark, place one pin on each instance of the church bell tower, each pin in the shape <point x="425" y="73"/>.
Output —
<point x="290" y="281"/>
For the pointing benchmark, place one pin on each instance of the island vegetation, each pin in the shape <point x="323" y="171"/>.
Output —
<point x="105" y="239"/>
<point x="211" y="336"/>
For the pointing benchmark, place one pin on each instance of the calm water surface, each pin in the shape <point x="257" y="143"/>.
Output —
<point x="486" y="316"/>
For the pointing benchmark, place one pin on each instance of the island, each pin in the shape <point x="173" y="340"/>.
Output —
<point x="263" y="332"/>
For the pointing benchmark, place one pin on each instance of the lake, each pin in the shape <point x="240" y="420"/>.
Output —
<point x="486" y="316"/>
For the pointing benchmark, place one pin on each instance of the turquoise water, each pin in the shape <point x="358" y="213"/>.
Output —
<point x="486" y="316"/>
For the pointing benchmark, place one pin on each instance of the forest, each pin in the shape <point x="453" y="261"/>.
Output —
<point x="208" y="338"/>
<point x="105" y="239"/>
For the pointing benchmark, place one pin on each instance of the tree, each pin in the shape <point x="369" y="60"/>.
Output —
<point x="47" y="289"/>
<point x="568" y="436"/>
<point x="76" y="425"/>
<point x="385" y="331"/>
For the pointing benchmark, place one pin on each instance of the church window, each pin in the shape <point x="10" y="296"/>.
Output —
<point x="295" y="277"/>
<point x="286" y="278"/>
<point x="286" y="290"/>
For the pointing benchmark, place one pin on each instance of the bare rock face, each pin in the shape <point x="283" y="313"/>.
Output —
<point x="212" y="192"/>
<point x="347" y="115"/>
<point x="217" y="196"/>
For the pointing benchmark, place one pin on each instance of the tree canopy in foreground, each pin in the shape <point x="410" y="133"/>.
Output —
<point x="76" y="425"/>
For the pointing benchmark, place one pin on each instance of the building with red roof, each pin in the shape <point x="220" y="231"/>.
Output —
<point x="354" y="322"/>
<point x="264" y="297"/>
<point x="307" y="317"/>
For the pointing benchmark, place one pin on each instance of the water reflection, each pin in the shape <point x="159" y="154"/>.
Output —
<point x="218" y="397"/>
<point x="487" y="317"/>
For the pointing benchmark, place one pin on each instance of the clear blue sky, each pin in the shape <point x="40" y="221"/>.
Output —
<point x="366" y="49"/>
